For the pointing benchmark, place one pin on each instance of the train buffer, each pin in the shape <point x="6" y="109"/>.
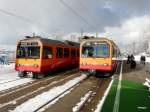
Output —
<point x="147" y="83"/>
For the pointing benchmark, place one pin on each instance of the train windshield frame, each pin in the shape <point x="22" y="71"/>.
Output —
<point x="28" y="51"/>
<point x="95" y="50"/>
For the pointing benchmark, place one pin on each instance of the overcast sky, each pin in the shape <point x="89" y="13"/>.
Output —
<point x="121" y="20"/>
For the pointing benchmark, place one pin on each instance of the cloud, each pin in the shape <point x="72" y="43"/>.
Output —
<point x="135" y="29"/>
<point x="50" y="18"/>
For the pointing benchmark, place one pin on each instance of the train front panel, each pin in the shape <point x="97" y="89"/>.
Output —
<point x="28" y="56"/>
<point x="96" y="56"/>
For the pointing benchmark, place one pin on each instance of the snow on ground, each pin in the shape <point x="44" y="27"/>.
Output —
<point x="7" y="68"/>
<point x="82" y="102"/>
<point x="9" y="78"/>
<point x="147" y="83"/>
<point x="12" y="84"/>
<point x="8" y="73"/>
<point x="137" y="58"/>
<point x="38" y="101"/>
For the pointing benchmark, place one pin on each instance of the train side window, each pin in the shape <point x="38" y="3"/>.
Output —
<point x="59" y="52"/>
<point x="66" y="52"/>
<point x="21" y="52"/>
<point x="47" y="52"/>
<point x="77" y="53"/>
<point x="114" y="52"/>
<point x="73" y="53"/>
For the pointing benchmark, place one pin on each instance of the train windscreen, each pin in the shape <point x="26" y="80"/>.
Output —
<point x="95" y="50"/>
<point x="28" y="51"/>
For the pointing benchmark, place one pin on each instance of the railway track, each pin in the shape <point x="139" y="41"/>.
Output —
<point x="23" y="85"/>
<point x="14" y="98"/>
<point x="97" y="93"/>
<point x="58" y="96"/>
<point x="68" y="100"/>
<point x="17" y="98"/>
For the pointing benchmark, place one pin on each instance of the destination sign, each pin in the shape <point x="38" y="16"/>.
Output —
<point x="29" y="44"/>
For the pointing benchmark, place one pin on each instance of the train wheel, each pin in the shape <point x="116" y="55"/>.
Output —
<point x="99" y="74"/>
<point x="113" y="72"/>
<point x="107" y="74"/>
<point x="84" y="72"/>
<point x="102" y="74"/>
<point x="22" y="74"/>
<point x="34" y="76"/>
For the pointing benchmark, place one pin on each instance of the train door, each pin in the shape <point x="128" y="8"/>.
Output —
<point x="47" y="61"/>
<point x="59" y="57"/>
<point x="73" y="57"/>
<point x="77" y="57"/>
<point x="66" y="57"/>
<point x="114" y="58"/>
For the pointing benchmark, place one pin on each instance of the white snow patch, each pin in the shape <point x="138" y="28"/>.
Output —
<point x="7" y="68"/>
<point x="142" y="108"/>
<point x="137" y="58"/>
<point x="13" y="84"/>
<point x="19" y="98"/>
<point x="5" y="76"/>
<point x="147" y="80"/>
<point x="147" y="83"/>
<point x="82" y="101"/>
<point x="38" y="101"/>
<point x="9" y="77"/>
<point x="101" y="102"/>
<point x="8" y="80"/>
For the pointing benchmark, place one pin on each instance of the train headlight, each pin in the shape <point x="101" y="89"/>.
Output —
<point x="105" y="64"/>
<point x="35" y="65"/>
<point x="84" y="63"/>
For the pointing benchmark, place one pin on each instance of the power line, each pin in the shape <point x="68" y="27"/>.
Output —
<point x="17" y="16"/>
<point x="83" y="5"/>
<point x="21" y="18"/>
<point x="81" y="17"/>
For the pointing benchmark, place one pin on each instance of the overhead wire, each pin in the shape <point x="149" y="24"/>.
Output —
<point x="85" y="7"/>
<point x="17" y="16"/>
<point x="31" y="21"/>
<point x="27" y="20"/>
<point x="77" y="14"/>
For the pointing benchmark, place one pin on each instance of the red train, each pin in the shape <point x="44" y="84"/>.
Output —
<point x="43" y="56"/>
<point x="99" y="56"/>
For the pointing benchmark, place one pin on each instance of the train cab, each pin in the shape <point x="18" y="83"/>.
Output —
<point x="98" y="55"/>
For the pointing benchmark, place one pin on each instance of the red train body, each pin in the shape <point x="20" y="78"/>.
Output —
<point x="42" y="56"/>
<point x="99" y="55"/>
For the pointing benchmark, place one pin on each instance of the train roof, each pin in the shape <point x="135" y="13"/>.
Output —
<point x="47" y="41"/>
